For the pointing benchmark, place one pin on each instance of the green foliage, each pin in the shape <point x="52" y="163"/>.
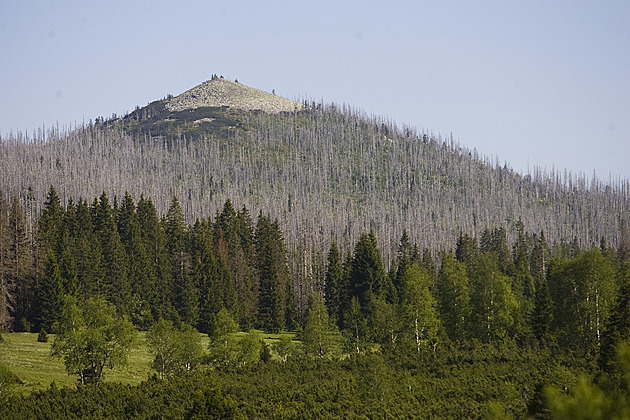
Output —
<point x="265" y="352"/>
<point x="223" y="325"/>
<point x="159" y="271"/>
<point x="92" y="339"/>
<point x="385" y="321"/>
<point x="185" y="296"/>
<point x="223" y="344"/>
<point x="284" y="347"/>
<point x="543" y="310"/>
<point x="42" y="336"/>
<point x="31" y="361"/>
<point x="492" y="302"/>
<point x="6" y="287"/>
<point x="50" y="222"/>
<point x="452" y="382"/>
<point x="466" y="249"/>
<point x="270" y="264"/>
<point x="419" y="309"/>
<point x="333" y="283"/>
<point x="180" y="398"/>
<point x="590" y="401"/>
<point x="69" y="272"/>
<point x="141" y="273"/>
<point x="540" y="256"/>
<point x="250" y="348"/>
<point x="23" y="325"/>
<point x="320" y="336"/>
<point x="583" y="290"/>
<point x="233" y="236"/>
<point x="51" y="293"/>
<point x="156" y="120"/>
<point x="175" y="350"/>
<point x="190" y="351"/>
<point x="454" y="302"/>
<point x="115" y="281"/>
<point x="367" y="277"/>
<point x="7" y="380"/>
<point x="355" y="327"/>
<point x="122" y="262"/>
<point x="210" y="404"/>
<point x="17" y="286"/>
<point x="617" y="329"/>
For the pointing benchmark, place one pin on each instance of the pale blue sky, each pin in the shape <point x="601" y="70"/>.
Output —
<point x="538" y="81"/>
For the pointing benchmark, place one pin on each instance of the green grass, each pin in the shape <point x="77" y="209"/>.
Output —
<point x="30" y="360"/>
<point x="267" y="337"/>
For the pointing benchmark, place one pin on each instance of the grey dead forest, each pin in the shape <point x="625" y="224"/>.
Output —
<point x="327" y="172"/>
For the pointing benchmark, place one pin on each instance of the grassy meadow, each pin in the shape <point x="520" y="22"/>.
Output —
<point x="31" y="361"/>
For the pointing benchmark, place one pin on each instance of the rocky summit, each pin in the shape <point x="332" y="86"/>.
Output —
<point x="219" y="92"/>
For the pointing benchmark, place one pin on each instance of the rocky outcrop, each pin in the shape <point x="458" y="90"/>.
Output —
<point x="224" y="92"/>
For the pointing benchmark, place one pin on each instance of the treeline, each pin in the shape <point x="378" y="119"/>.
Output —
<point x="487" y="290"/>
<point x="149" y="267"/>
<point x="526" y="312"/>
<point x="153" y="267"/>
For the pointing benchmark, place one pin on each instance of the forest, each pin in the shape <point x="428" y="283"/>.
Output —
<point x="535" y="318"/>
<point x="332" y="263"/>
<point x="329" y="172"/>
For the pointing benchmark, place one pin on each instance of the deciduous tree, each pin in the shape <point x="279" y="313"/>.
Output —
<point x="419" y="309"/>
<point x="320" y="337"/>
<point x="454" y="301"/>
<point x="493" y="304"/>
<point x="92" y="339"/>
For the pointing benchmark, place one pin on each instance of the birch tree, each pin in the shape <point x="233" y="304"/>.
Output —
<point x="419" y="309"/>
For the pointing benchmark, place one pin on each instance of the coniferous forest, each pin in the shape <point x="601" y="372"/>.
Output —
<point x="416" y="279"/>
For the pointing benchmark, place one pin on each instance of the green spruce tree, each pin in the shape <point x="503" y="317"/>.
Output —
<point x="333" y="283"/>
<point x="270" y="300"/>
<point x="185" y="291"/>
<point x="18" y="266"/>
<point x="367" y="276"/>
<point x="140" y="276"/>
<point x="617" y="329"/>
<point x="115" y="285"/>
<point x="51" y="294"/>
<point x="160" y="269"/>
<point x="543" y="311"/>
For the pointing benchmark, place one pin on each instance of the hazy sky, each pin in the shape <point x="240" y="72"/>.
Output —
<point x="538" y="82"/>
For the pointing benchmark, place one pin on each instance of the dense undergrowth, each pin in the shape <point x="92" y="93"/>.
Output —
<point x="467" y="381"/>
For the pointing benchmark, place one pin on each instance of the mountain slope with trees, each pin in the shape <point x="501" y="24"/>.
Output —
<point x="400" y="262"/>
<point x="327" y="172"/>
<point x="330" y="171"/>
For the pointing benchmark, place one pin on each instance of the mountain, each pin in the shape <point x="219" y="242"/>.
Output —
<point x="206" y="109"/>
<point x="326" y="171"/>
<point x="219" y="92"/>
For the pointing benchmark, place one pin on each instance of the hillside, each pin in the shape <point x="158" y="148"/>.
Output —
<point x="207" y="109"/>
<point x="194" y="214"/>
<point x="330" y="171"/>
